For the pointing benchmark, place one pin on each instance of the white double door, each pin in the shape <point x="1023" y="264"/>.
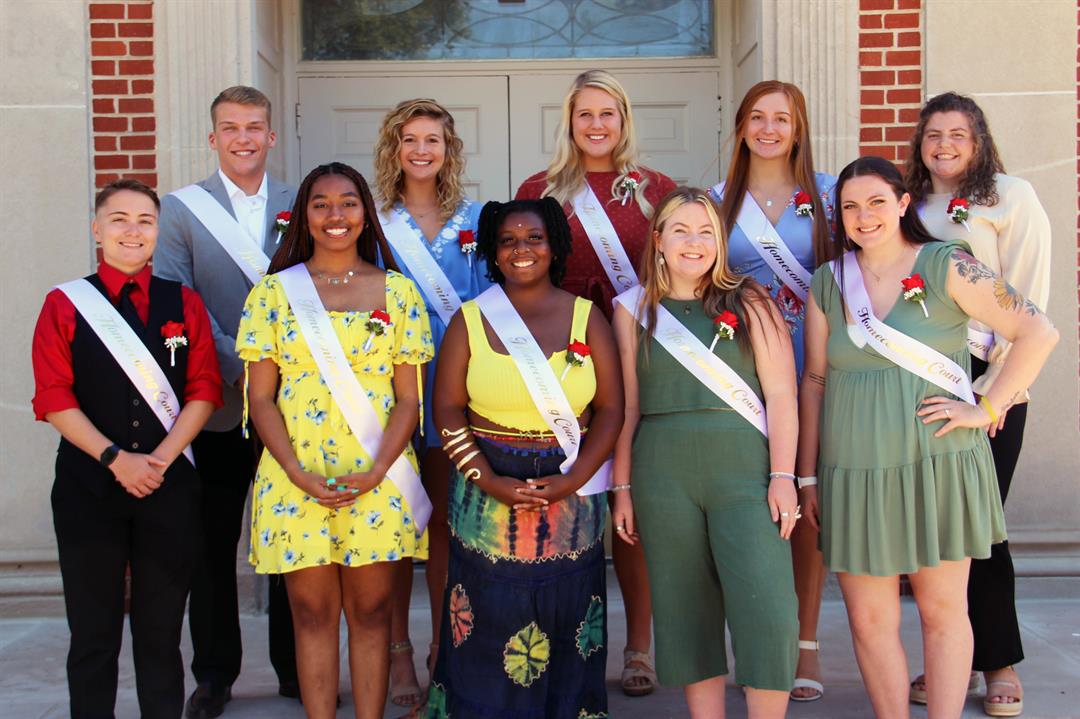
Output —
<point x="508" y="123"/>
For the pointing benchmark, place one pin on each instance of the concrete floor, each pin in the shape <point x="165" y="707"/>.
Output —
<point x="33" y="643"/>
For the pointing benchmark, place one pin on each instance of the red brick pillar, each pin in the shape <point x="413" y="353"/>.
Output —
<point x="890" y="75"/>
<point x="122" y="90"/>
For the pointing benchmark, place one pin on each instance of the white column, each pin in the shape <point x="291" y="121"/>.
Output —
<point x="202" y="47"/>
<point x="815" y="45"/>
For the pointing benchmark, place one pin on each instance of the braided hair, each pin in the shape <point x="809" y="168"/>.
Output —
<point x="550" y="213"/>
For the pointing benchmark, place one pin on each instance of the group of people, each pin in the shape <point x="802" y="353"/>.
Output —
<point x="780" y="376"/>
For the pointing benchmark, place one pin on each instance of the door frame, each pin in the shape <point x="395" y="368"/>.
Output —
<point x="294" y="69"/>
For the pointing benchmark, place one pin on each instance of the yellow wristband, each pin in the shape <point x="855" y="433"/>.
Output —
<point x="985" y="404"/>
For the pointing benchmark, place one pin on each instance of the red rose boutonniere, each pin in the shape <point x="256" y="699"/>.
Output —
<point x="281" y="222"/>
<point x="629" y="185"/>
<point x="958" y="211"/>
<point x="915" y="291"/>
<point x="377" y="324"/>
<point x="467" y="240"/>
<point x="576" y="353"/>
<point x="725" y="324"/>
<point x="173" y="332"/>
<point x="804" y="204"/>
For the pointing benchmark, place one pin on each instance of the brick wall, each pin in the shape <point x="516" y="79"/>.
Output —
<point x="890" y="75"/>
<point x="122" y="90"/>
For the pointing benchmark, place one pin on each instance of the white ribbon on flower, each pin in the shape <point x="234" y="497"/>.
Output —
<point x="345" y="388"/>
<point x="544" y="388"/>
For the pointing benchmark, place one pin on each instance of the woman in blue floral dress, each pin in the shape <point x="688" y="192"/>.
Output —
<point x="419" y="166"/>
<point x="773" y="167"/>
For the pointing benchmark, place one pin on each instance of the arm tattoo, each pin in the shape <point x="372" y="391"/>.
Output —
<point x="1007" y="297"/>
<point x="814" y="377"/>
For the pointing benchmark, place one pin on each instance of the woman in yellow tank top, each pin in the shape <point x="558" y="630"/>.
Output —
<point x="526" y="571"/>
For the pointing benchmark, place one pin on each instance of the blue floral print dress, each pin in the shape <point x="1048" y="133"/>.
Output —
<point x="289" y="530"/>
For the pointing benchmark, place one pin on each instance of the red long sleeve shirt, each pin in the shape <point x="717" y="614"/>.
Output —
<point x="51" y="348"/>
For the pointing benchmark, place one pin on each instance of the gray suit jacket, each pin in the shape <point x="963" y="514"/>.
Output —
<point x="188" y="253"/>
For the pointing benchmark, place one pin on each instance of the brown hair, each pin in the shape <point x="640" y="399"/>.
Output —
<point x="390" y="178"/>
<point x="800" y="159"/>
<point x="978" y="184"/>
<point x="720" y="288"/>
<point x="128" y="184"/>
<point x="240" y="95"/>
<point x="297" y="245"/>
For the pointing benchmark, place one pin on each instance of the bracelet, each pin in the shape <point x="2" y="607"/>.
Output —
<point x="457" y="434"/>
<point x="459" y="449"/>
<point x="809" y="481"/>
<point x="472" y="475"/>
<point x="985" y="404"/>
<point x="620" y="488"/>
<point x="466" y="458"/>
<point x="783" y="475"/>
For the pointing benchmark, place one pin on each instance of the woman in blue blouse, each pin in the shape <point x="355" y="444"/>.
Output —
<point x="777" y="213"/>
<point x="419" y="164"/>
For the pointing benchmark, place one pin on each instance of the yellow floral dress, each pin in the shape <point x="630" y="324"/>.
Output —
<point x="289" y="530"/>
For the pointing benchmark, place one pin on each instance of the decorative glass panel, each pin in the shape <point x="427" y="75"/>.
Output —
<point x="504" y="29"/>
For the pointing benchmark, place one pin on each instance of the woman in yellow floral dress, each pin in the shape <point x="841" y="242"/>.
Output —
<point x="324" y="512"/>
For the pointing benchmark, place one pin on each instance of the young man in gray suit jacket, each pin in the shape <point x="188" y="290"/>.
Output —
<point x="189" y="252"/>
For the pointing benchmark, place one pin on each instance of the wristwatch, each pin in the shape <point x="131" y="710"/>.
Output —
<point x="109" y="455"/>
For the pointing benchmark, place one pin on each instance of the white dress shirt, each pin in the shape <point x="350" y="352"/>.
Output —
<point x="250" y="210"/>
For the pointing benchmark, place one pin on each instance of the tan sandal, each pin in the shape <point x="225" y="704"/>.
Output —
<point x="804" y="682"/>
<point x="1004" y="709"/>
<point x="918" y="696"/>
<point x="404" y="695"/>
<point x="631" y="688"/>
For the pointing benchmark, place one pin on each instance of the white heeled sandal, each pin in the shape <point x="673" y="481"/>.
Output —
<point x="803" y="682"/>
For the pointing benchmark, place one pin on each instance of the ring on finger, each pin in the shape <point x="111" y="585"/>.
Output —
<point x="947" y="413"/>
<point x="785" y="515"/>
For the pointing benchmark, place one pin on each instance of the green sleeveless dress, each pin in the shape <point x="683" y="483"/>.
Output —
<point x="895" y="498"/>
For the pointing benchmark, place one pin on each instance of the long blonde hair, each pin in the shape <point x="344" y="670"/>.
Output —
<point x="389" y="175"/>
<point x="566" y="173"/>
<point x="719" y="289"/>
<point x="800" y="159"/>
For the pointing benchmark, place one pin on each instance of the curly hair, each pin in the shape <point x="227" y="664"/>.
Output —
<point x="297" y="244"/>
<point x="800" y="161"/>
<point x="978" y="184"/>
<point x="566" y="174"/>
<point x="550" y="213"/>
<point x="720" y="288"/>
<point x="390" y="177"/>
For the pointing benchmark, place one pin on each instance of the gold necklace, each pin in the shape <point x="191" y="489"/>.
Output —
<point x="331" y="280"/>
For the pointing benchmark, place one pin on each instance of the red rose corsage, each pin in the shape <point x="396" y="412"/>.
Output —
<point x="173" y="332"/>
<point x="576" y="353"/>
<point x="725" y="325"/>
<point x="377" y="324"/>
<point x="915" y="291"/>
<point x="629" y="185"/>
<point x="804" y="204"/>
<point x="281" y="222"/>
<point x="958" y="211"/>
<point x="467" y="240"/>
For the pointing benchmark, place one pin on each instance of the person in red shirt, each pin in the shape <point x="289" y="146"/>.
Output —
<point x="596" y="147"/>
<point x="124" y="491"/>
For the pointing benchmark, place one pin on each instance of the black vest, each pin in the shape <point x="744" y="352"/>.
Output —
<point x="109" y="399"/>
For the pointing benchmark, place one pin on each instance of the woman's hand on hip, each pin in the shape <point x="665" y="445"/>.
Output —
<point x="954" y="413"/>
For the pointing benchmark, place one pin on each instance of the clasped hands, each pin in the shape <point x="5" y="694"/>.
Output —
<point x="530" y="494"/>
<point x="337" y="492"/>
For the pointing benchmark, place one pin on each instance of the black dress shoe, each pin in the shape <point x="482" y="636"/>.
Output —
<point x="207" y="702"/>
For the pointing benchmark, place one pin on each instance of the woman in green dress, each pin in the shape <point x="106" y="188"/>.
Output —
<point x="905" y="470"/>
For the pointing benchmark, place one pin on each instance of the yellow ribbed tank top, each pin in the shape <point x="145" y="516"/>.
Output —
<point x="496" y="390"/>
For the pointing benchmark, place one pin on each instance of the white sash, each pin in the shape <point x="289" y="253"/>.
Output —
<point x="425" y="271"/>
<point x="894" y="345"/>
<point x="768" y="243"/>
<point x="713" y="372"/>
<point x="345" y="388"/>
<point x="251" y="260"/>
<point x="544" y="388"/>
<point x="979" y="342"/>
<point x="129" y="352"/>
<point x="605" y="240"/>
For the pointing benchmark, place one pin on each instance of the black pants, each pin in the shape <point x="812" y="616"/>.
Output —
<point x="992" y="584"/>
<point x="226" y="463"/>
<point x="98" y="535"/>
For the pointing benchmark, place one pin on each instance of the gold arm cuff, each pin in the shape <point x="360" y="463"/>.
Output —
<point x="466" y="458"/>
<point x="459" y="449"/>
<point x="472" y="475"/>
